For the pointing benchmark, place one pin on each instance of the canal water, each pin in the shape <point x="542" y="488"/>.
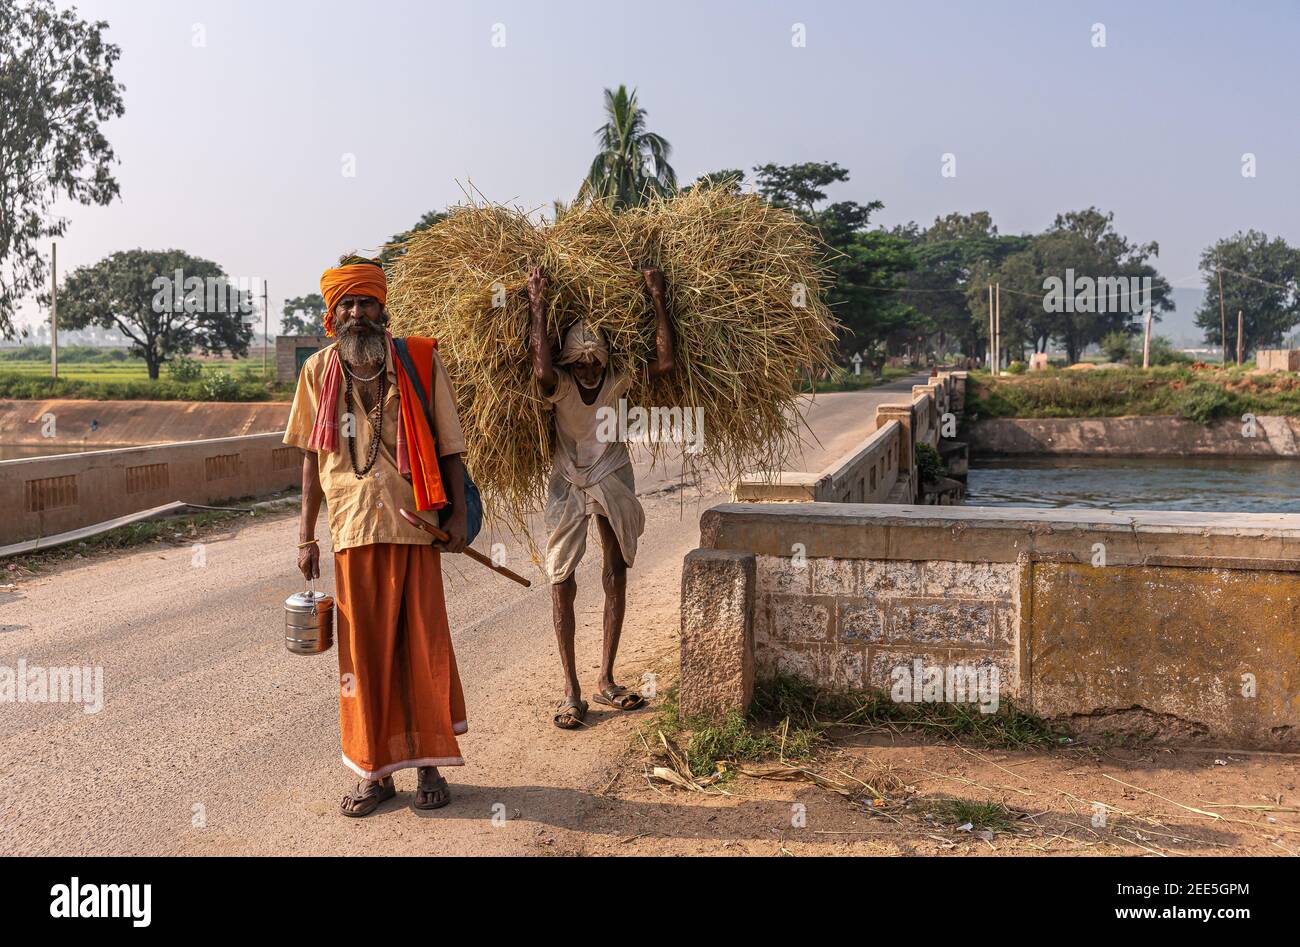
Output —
<point x="1213" y="484"/>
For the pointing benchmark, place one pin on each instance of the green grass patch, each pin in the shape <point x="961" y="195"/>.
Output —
<point x="980" y="814"/>
<point x="1202" y="395"/>
<point x="789" y="719"/>
<point x="734" y="738"/>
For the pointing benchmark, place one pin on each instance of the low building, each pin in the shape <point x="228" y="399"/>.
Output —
<point x="292" y="350"/>
<point x="1278" y="360"/>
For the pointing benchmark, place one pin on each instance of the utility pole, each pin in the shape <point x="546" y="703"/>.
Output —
<point x="1223" y="320"/>
<point x="997" y="297"/>
<point x="1146" y="342"/>
<point x="992" y="337"/>
<point x="1239" y="326"/>
<point x="54" y="312"/>
<point x="266" y="321"/>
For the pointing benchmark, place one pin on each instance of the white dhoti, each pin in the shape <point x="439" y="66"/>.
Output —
<point x="590" y="477"/>
<point x="569" y="509"/>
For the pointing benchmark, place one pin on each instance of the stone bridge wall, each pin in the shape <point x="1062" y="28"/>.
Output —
<point x="1193" y="617"/>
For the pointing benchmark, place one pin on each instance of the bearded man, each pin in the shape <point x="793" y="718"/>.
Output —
<point x="372" y="447"/>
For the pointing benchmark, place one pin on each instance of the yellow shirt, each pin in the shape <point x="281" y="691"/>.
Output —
<point x="364" y="511"/>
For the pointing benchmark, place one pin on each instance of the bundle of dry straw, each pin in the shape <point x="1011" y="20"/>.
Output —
<point x="745" y="294"/>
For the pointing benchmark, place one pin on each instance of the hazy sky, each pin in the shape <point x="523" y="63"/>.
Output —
<point x="235" y="150"/>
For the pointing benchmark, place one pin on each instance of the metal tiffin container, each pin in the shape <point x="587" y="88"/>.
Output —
<point x="309" y="622"/>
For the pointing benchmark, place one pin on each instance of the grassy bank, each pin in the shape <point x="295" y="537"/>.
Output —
<point x="1196" y="394"/>
<point x="791" y="719"/>
<point x="110" y="375"/>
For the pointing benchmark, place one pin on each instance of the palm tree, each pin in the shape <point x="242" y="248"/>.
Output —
<point x="632" y="163"/>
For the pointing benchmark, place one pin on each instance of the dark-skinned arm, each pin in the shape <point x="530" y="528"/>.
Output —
<point x="538" y="341"/>
<point x="452" y="469"/>
<point x="665" y="357"/>
<point x="312" y="494"/>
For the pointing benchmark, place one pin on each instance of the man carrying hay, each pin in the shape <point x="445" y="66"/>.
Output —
<point x="590" y="478"/>
<point x="400" y="703"/>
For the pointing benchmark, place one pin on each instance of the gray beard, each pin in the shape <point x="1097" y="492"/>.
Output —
<point x="364" y="349"/>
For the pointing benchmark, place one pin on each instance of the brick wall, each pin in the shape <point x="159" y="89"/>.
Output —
<point x="845" y="623"/>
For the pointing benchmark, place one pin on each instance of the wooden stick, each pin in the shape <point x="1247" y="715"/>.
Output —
<point x="473" y="553"/>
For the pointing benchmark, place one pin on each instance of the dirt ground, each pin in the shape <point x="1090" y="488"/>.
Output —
<point x="893" y="791"/>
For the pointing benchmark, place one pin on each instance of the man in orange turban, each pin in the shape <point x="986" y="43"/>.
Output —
<point x="400" y="703"/>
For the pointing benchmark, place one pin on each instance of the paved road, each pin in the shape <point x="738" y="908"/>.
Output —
<point x="213" y="739"/>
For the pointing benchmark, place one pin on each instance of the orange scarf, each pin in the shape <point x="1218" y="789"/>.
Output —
<point x="421" y="444"/>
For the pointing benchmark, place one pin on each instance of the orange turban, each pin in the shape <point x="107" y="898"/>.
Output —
<point x="355" y="277"/>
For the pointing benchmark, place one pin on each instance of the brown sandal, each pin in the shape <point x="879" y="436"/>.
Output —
<point x="571" y="714"/>
<point x="437" y="791"/>
<point x="366" y="797"/>
<point x="620" y="698"/>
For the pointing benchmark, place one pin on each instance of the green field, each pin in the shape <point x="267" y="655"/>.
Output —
<point x="124" y="371"/>
<point x="110" y="375"/>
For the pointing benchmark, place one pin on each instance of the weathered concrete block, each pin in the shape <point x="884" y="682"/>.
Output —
<point x="859" y="620"/>
<point x="811" y="662"/>
<point x="946" y="621"/>
<point x="717" y="669"/>
<point x="970" y="579"/>
<point x="891" y="578"/>
<point x="835" y="576"/>
<point x="797" y="617"/>
<point x="1006" y="660"/>
<point x="848" y="667"/>
<point x="881" y="663"/>
<point x="780" y="574"/>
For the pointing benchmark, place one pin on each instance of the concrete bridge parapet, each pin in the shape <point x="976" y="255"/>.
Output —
<point x="878" y="470"/>
<point x="1188" y="616"/>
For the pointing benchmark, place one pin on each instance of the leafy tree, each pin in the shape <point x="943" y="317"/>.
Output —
<point x="632" y="164"/>
<point x="953" y="258"/>
<point x="865" y="263"/>
<point x="56" y="89"/>
<point x="1117" y="346"/>
<point x="396" y="246"/>
<point x="137" y="293"/>
<point x="1086" y="242"/>
<point x="731" y="178"/>
<point x="1261" y="279"/>
<point x="800" y="186"/>
<point x="304" y="315"/>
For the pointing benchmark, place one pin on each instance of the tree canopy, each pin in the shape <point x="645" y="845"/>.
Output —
<point x="56" y="90"/>
<point x="1261" y="279"/>
<point x="303" y="315"/>
<point x="165" y="302"/>
<point x="632" y="163"/>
